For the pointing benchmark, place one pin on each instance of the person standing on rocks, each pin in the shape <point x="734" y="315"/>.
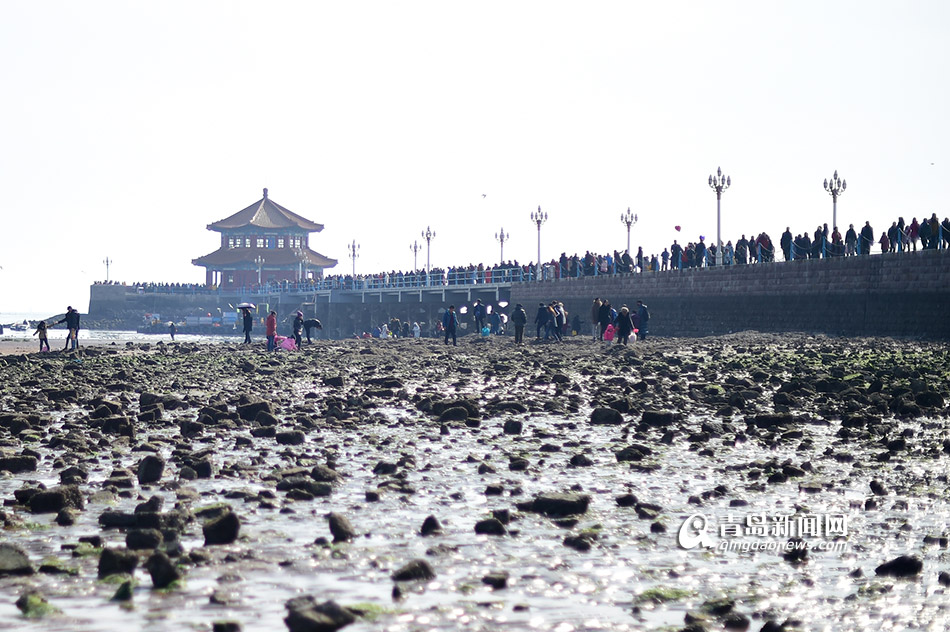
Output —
<point x="248" y="324"/>
<point x="541" y="318"/>
<point x="298" y="328"/>
<point x="72" y="324"/>
<point x="624" y="325"/>
<point x="520" y="318"/>
<point x="311" y="323"/>
<point x="41" y="330"/>
<point x="603" y="318"/>
<point x="595" y="317"/>
<point x="478" y="313"/>
<point x="450" y="323"/>
<point x="644" y="315"/>
<point x="171" y="330"/>
<point x="270" y="330"/>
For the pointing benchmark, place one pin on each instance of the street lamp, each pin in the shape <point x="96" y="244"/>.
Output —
<point x="502" y="237"/>
<point x="415" y="248"/>
<point x="107" y="261"/>
<point x="259" y="260"/>
<point x="835" y="188"/>
<point x="629" y="219"/>
<point x="354" y="249"/>
<point x="719" y="183"/>
<point x="428" y="235"/>
<point x="539" y="218"/>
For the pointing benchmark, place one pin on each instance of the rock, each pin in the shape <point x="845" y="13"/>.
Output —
<point x="490" y="526"/>
<point x="633" y="453"/>
<point x="17" y="464"/>
<point x="290" y="437"/>
<point x="513" y="427"/>
<point x="226" y="626"/>
<point x="413" y="571"/>
<point x="335" y="381"/>
<point x="14" y="560"/>
<point x="305" y="483"/>
<point x="929" y="399"/>
<point x="223" y="529"/>
<point x="431" y="526"/>
<point x="457" y="413"/>
<point x="497" y="580"/>
<point x="554" y="504"/>
<point x="659" y="418"/>
<point x="605" y="416"/>
<point x="324" y="474"/>
<point x="878" y="489"/>
<point x="161" y="569"/>
<point x="124" y="592"/>
<point x="112" y="561"/>
<point x="139" y="539"/>
<point x="56" y="499"/>
<point x="67" y="517"/>
<point x="340" y="528"/>
<point x="582" y="542"/>
<point x="34" y="605"/>
<point x="903" y="566"/>
<point x="304" y="614"/>
<point x="150" y="469"/>
<point x="581" y="460"/>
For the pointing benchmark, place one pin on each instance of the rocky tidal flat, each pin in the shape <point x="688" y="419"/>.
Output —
<point x="405" y="485"/>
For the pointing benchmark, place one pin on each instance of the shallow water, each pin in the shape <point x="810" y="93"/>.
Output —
<point x="551" y="587"/>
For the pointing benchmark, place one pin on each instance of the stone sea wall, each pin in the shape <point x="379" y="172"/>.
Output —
<point x="877" y="295"/>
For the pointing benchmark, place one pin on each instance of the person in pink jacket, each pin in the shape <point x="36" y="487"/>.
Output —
<point x="270" y="330"/>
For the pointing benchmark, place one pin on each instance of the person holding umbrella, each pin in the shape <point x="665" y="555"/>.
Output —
<point x="248" y="321"/>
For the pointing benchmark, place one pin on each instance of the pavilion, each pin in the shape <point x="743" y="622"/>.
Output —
<point x="263" y="243"/>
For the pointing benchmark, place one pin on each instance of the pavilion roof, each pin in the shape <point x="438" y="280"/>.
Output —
<point x="282" y="257"/>
<point x="266" y="214"/>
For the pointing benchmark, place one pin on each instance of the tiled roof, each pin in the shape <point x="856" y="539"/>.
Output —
<point x="265" y="213"/>
<point x="244" y="257"/>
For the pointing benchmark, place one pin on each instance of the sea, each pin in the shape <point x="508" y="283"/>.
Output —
<point x="101" y="336"/>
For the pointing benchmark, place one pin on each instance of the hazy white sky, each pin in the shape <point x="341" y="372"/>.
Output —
<point x="127" y="127"/>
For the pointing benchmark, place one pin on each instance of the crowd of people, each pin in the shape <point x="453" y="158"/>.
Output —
<point x="757" y="248"/>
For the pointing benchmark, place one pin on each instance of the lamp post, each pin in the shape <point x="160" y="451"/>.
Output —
<point x="301" y="265"/>
<point x="502" y="237"/>
<point x="719" y="183"/>
<point x="415" y="248"/>
<point x="539" y="218"/>
<point x="354" y="250"/>
<point x="259" y="261"/>
<point x="835" y="188"/>
<point x="428" y="235"/>
<point x="107" y="261"/>
<point x="629" y="219"/>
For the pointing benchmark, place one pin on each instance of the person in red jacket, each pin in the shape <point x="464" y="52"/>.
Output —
<point x="270" y="330"/>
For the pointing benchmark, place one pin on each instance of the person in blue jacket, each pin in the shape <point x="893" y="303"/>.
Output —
<point x="450" y="322"/>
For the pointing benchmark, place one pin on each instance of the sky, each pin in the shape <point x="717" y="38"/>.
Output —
<point x="127" y="127"/>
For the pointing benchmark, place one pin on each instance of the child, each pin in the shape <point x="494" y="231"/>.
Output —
<point x="41" y="330"/>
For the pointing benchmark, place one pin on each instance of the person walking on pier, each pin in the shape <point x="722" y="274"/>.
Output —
<point x="248" y="324"/>
<point x="450" y="322"/>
